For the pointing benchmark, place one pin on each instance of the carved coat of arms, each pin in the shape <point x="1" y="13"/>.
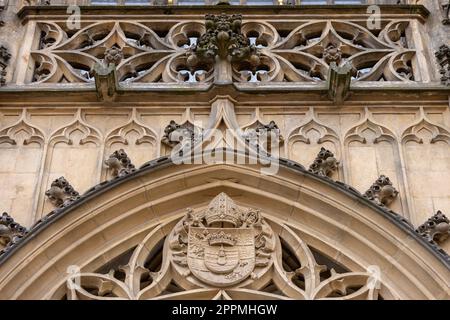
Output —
<point x="222" y="245"/>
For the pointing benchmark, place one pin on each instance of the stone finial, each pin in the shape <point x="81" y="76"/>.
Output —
<point x="382" y="192"/>
<point x="175" y="133"/>
<point x="223" y="39"/>
<point x="436" y="228"/>
<point x="113" y="55"/>
<point x="120" y="164"/>
<point x="443" y="58"/>
<point x="61" y="193"/>
<point x="10" y="230"/>
<point x="324" y="164"/>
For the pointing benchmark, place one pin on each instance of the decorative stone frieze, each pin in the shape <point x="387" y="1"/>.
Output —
<point x="443" y="58"/>
<point x="10" y="231"/>
<point x="324" y="164"/>
<point x="61" y="193"/>
<point x="382" y="192"/>
<point x="436" y="228"/>
<point x="119" y="164"/>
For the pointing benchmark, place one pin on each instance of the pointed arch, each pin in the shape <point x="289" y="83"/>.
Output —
<point x="117" y="216"/>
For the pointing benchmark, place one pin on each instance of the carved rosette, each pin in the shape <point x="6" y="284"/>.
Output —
<point x="382" y="192"/>
<point x="61" y="193"/>
<point x="436" y="228"/>
<point x="222" y="245"/>
<point x="324" y="164"/>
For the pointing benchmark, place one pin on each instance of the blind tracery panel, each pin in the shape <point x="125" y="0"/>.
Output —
<point x="145" y="52"/>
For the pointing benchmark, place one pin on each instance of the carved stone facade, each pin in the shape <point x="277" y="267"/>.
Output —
<point x="317" y="104"/>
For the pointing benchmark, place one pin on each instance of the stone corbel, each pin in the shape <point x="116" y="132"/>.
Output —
<point x="382" y="192"/>
<point x="61" y="193"/>
<point x="106" y="82"/>
<point x="120" y="164"/>
<point x="324" y="164"/>
<point x="338" y="83"/>
<point x="436" y="228"/>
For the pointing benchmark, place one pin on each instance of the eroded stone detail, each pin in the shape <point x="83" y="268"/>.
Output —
<point x="5" y="56"/>
<point x="443" y="58"/>
<point x="61" y="193"/>
<point x="264" y="135"/>
<point x="446" y="7"/>
<point x="10" y="231"/>
<point x="175" y="134"/>
<point x="436" y="228"/>
<point x="324" y="164"/>
<point x="120" y="164"/>
<point x="222" y="245"/>
<point x="113" y="55"/>
<point x="382" y="192"/>
<point x="223" y="38"/>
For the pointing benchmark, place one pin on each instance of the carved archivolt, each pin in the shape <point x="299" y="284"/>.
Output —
<point x="220" y="252"/>
<point x="258" y="52"/>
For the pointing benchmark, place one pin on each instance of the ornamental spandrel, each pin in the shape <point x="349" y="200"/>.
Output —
<point x="223" y="245"/>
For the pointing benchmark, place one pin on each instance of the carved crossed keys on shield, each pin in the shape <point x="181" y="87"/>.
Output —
<point x="222" y="245"/>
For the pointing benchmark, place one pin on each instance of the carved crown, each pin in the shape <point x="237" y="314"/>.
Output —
<point x="222" y="210"/>
<point x="221" y="238"/>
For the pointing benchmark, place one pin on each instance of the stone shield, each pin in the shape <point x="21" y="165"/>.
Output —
<point x="221" y="256"/>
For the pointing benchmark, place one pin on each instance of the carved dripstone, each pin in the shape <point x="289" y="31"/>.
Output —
<point x="222" y="39"/>
<point x="175" y="133"/>
<point x="443" y="58"/>
<point x="324" y="164"/>
<point x="382" y="192"/>
<point x="120" y="164"/>
<point x="61" y="193"/>
<point x="436" y="228"/>
<point x="4" y="59"/>
<point x="10" y="231"/>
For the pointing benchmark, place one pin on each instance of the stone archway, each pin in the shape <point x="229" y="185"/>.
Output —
<point x="308" y="222"/>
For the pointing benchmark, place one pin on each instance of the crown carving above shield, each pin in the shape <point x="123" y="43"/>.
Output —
<point x="223" y="212"/>
<point x="221" y="238"/>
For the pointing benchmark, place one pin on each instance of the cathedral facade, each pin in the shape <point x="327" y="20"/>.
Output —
<point x="196" y="149"/>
